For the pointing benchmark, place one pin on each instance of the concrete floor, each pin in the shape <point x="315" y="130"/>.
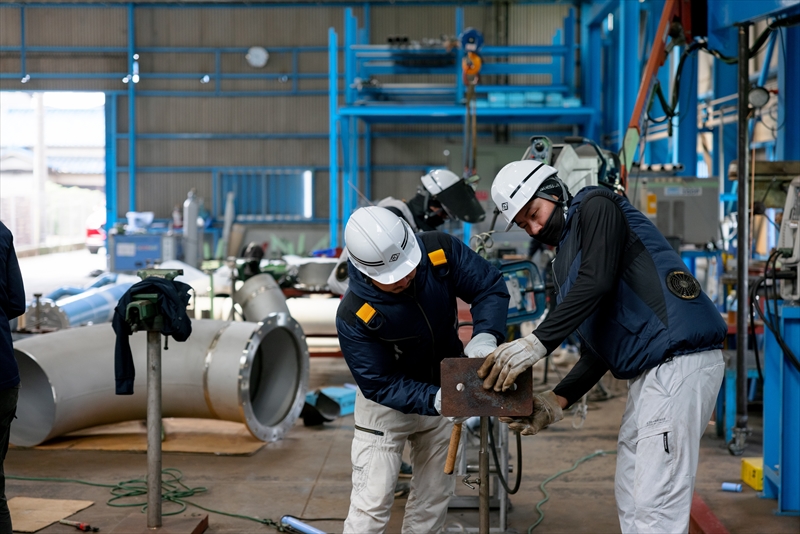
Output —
<point x="308" y="473"/>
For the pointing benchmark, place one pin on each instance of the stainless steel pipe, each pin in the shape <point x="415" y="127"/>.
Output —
<point x="259" y="296"/>
<point x="253" y="373"/>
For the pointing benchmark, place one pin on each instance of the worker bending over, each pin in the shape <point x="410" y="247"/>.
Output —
<point x="396" y="323"/>
<point x="442" y="196"/>
<point x="639" y="313"/>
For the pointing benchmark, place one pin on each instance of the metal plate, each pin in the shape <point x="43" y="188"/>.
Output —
<point x="472" y="399"/>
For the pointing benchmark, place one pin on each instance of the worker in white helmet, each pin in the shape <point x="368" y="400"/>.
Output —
<point x="396" y="323"/>
<point x="640" y="314"/>
<point x="443" y="195"/>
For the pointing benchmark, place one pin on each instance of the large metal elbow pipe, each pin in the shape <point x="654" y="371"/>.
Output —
<point x="252" y="373"/>
<point x="259" y="296"/>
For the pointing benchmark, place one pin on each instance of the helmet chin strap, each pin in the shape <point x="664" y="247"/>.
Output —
<point x="561" y="201"/>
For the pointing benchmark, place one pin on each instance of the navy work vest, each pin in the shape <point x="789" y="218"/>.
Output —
<point x="657" y="310"/>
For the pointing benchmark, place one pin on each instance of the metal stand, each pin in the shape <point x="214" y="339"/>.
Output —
<point x="142" y="313"/>
<point x="495" y="496"/>
<point x="153" y="428"/>
<point x="483" y="473"/>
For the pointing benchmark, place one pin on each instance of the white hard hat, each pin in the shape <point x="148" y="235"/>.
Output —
<point x="381" y="245"/>
<point x="516" y="184"/>
<point x="454" y="194"/>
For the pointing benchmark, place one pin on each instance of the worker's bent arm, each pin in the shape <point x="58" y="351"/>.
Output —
<point x="375" y="371"/>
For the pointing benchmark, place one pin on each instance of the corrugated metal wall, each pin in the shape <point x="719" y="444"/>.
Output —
<point x="159" y="26"/>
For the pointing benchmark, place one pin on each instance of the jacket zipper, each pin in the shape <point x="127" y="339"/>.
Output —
<point x="666" y="442"/>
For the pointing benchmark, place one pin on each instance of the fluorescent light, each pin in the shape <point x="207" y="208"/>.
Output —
<point x="308" y="195"/>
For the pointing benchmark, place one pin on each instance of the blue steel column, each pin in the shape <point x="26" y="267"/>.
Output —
<point x="131" y="114"/>
<point x="111" y="160"/>
<point x="459" y="56"/>
<point x="591" y="80"/>
<point x="628" y="66"/>
<point x="788" y="145"/>
<point x="367" y="160"/>
<point x="350" y="141"/>
<point x="22" y="66"/>
<point x="687" y="111"/>
<point x="365" y="35"/>
<point x="333" y="139"/>
<point x="725" y="79"/>
<point x="569" y="58"/>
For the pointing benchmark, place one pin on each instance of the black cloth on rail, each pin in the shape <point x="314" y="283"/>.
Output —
<point x="173" y="297"/>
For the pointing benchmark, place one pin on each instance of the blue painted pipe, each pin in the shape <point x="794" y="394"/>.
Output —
<point x="69" y="291"/>
<point x="299" y="526"/>
<point x="92" y="306"/>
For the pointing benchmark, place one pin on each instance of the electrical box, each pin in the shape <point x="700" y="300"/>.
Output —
<point x="130" y="253"/>
<point x="753" y="472"/>
<point x="687" y="208"/>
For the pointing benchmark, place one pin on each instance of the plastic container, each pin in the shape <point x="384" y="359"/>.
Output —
<point x="731" y="486"/>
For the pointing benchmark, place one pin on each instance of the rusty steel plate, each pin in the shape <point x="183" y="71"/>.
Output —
<point x="463" y="394"/>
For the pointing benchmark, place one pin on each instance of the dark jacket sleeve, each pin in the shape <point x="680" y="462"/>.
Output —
<point x="481" y="285"/>
<point x="12" y="304"/>
<point x="582" y="377"/>
<point x="374" y="370"/>
<point x="604" y="232"/>
<point x="12" y="290"/>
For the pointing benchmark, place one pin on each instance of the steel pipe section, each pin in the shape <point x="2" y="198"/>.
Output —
<point x="317" y="316"/>
<point x="259" y="296"/>
<point x="91" y="306"/>
<point x="253" y="373"/>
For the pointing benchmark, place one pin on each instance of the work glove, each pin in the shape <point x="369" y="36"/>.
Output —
<point x="481" y="346"/>
<point x="546" y="411"/>
<point x="505" y="364"/>
<point x="437" y="403"/>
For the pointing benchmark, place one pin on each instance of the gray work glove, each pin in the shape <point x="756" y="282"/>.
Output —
<point x="546" y="411"/>
<point x="505" y="364"/>
<point x="481" y="346"/>
<point x="437" y="403"/>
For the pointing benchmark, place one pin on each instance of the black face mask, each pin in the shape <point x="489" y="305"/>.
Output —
<point x="550" y="234"/>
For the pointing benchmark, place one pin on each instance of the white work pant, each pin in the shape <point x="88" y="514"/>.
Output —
<point x="378" y="441"/>
<point x="659" y="441"/>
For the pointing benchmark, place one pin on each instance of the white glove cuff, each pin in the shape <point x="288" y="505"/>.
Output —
<point x="481" y="345"/>
<point x="437" y="402"/>
<point x="539" y="350"/>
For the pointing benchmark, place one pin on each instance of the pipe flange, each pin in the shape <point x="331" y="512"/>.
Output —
<point x="273" y="377"/>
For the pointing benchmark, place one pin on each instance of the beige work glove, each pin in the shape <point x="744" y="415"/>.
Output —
<point x="504" y="365"/>
<point x="546" y="411"/>
<point x="481" y="346"/>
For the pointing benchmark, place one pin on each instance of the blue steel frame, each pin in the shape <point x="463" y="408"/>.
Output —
<point x="781" y="417"/>
<point x="442" y="107"/>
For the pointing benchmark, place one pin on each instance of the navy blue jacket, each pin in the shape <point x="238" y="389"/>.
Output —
<point x="640" y="322"/>
<point x="395" y="356"/>
<point x="12" y="304"/>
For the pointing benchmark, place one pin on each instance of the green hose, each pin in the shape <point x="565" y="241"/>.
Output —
<point x="553" y="477"/>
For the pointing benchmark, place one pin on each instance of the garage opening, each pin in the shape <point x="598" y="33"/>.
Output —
<point x="52" y="170"/>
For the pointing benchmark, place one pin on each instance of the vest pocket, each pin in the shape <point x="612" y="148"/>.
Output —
<point x="631" y="321"/>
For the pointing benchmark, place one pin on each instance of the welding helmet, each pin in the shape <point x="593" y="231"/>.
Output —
<point x="456" y="197"/>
